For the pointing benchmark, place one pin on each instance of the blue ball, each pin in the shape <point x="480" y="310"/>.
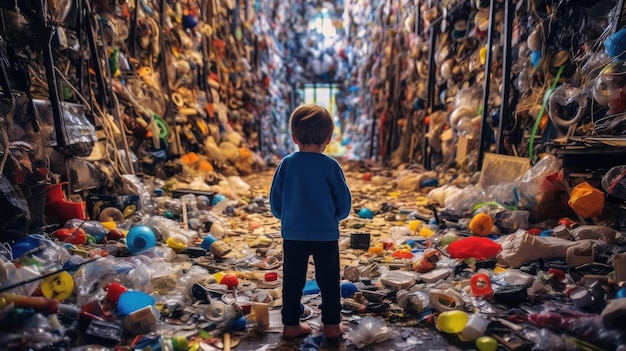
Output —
<point x="240" y="324"/>
<point x="139" y="238"/>
<point x="621" y="293"/>
<point x="190" y="21"/>
<point x="366" y="213"/>
<point x="347" y="289"/>
<point x="207" y="241"/>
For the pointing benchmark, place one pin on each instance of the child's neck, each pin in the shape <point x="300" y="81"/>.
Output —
<point x="311" y="148"/>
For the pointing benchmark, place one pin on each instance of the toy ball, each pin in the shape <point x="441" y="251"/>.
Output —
<point x="139" y="238"/>
<point x="486" y="343"/>
<point x="481" y="224"/>
<point x="190" y="21"/>
<point x="366" y="213"/>
<point x="240" y="324"/>
<point x="229" y="280"/>
<point x="452" y="322"/>
<point x="347" y="289"/>
<point x="217" y="199"/>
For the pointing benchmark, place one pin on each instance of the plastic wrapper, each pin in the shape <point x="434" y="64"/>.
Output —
<point x="133" y="273"/>
<point x="614" y="182"/>
<point x="238" y="185"/>
<point x="546" y="340"/>
<point x="370" y="331"/>
<point x="50" y="251"/>
<point x="182" y="290"/>
<point x="534" y="183"/>
<point x="461" y="203"/>
<point x="503" y="193"/>
<point x="166" y="227"/>
<point x="135" y="186"/>
<point x="585" y="327"/>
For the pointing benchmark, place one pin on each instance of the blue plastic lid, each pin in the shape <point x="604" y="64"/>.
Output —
<point x="131" y="301"/>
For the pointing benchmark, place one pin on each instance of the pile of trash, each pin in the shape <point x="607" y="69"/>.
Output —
<point x="185" y="269"/>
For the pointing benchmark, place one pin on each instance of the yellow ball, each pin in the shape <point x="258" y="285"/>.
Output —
<point x="486" y="343"/>
<point x="452" y="322"/>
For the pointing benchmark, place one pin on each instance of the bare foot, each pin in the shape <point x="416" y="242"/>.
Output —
<point x="296" y="331"/>
<point x="333" y="331"/>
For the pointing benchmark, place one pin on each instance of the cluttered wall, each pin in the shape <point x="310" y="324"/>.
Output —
<point x="100" y="95"/>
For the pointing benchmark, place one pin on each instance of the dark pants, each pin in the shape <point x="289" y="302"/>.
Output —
<point x="295" y="263"/>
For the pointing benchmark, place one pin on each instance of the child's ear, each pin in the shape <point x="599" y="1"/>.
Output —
<point x="293" y="138"/>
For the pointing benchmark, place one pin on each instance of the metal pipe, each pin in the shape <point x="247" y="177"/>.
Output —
<point x="509" y="12"/>
<point x="53" y="91"/>
<point x="484" y="126"/>
<point x="430" y="93"/>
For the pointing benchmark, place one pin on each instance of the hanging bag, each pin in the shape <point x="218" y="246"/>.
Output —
<point x="22" y="162"/>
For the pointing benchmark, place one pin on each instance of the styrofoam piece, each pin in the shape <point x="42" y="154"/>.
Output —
<point x="435" y="275"/>
<point x="398" y="279"/>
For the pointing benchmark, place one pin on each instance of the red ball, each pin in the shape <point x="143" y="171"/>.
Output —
<point x="230" y="280"/>
<point x="367" y="176"/>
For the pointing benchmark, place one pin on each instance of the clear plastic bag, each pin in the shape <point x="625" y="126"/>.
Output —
<point x="371" y="330"/>
<point x="614" y="182"/>
<point x="533" y="184"/>
<point x="461" y="203"/>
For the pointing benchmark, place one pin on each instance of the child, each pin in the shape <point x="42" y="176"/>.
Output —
<point x="310" y="196"/>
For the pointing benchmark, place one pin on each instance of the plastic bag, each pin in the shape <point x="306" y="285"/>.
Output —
<point x="534" y="183"/>
<point x="473" y="246"/>
<point x="614" y="182"/>
<point x="461" y="203"/>
<point x="370" y="331"/>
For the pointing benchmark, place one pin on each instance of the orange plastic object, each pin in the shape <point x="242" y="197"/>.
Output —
<point x="481" y="224"/>
<point x="402" y="253"/>
<point x="586" y="200"/>
<point x="375" y="249"/>
<point x="59" y="207"/>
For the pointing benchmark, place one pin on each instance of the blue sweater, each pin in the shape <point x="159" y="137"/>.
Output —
<point x="310" y="196"/>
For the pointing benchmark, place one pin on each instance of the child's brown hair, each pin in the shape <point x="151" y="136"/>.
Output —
<point x="311" y="124"/>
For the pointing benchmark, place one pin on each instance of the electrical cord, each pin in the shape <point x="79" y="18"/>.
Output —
<point x="531" y="144"/>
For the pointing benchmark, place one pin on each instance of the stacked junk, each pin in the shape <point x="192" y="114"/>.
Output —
<point x="128" y="128"/>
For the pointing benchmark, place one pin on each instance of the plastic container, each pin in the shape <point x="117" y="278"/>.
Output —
<point x="475" y="328"/>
